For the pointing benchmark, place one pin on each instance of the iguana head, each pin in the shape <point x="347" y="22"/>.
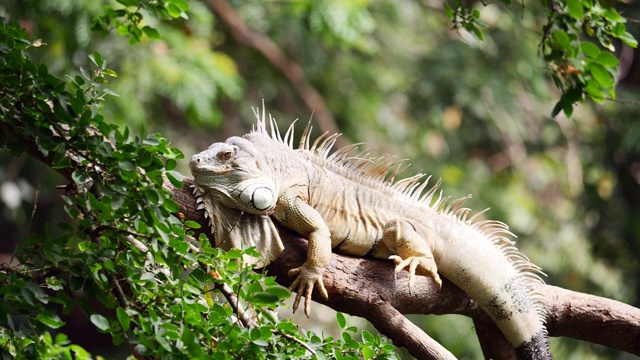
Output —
<point x="231" y="171"/>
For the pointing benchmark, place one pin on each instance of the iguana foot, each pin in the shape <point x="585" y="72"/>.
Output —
<point x="417" y="265"/>
<point x="308" y="277"/>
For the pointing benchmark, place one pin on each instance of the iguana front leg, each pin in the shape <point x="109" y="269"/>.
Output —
<point x="294" y="213"/>
<point x="411" y="250"/>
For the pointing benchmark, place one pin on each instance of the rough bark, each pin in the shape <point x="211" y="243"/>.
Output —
<point x="369" y="288"/>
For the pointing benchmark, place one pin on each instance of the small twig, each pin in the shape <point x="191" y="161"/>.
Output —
<point x="295" y="339"/>
<point x="228" y="293"/>
<point x="100" y="228"/>
<point x="137" y="243"/>
<point x="122" y="298"/>
<point x="623" y="101"/>
<point x="294" y="74"/>
<point x="234" y="302"/>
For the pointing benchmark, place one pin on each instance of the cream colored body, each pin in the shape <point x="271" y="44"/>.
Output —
<point x="360" y="213"/>
<point x="347" y="204"/>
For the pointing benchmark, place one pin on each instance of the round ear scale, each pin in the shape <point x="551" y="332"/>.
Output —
<point x="259" y="196"/>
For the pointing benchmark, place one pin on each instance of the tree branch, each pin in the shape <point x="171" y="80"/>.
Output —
<point x="369" y="288"/>
<point x="244" y="35"/>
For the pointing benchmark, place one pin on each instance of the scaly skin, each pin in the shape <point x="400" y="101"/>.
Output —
<point x="352" y="206"/>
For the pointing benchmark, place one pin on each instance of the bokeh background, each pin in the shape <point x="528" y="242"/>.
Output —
<point x="394" y="75"/>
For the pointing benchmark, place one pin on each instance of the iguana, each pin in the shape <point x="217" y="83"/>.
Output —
<point x="353" y="205"/>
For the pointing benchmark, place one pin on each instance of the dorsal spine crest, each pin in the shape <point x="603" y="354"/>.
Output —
<point x="373" y="171"/>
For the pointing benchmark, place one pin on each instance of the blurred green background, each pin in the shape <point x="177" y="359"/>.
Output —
<point x="394" y="75"/>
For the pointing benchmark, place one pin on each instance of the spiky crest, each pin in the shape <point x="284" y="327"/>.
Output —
<point x="379" y="170"/>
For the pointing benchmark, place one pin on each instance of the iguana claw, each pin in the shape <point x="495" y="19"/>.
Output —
<point x="417" y="265"/>
<point x="308" y="277"/>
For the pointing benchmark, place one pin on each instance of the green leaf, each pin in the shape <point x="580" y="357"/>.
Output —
<point x="171" y="206"/>
<point x="175" y="178"/>
<point x="110" y="72"/>
<point x="260" y="342"/>
<point x="96" y="59"/>
<point x="448" y="11"/>
<point x="174" y="11"/>
<point x="170" y="164"/>
<point x="612" y="15"/>
<point x="575" y="9"/>
<point x="590" y="49"/>
<point x="123" y="318"/>
<point x="192" y="224"/>
<point x="152" y="196"/>
<point x="628" y="39"/>
<point x="79" y="176"/>
<point x="594" y="92"/>
<point x="61" y="160"/>
<point x="110" y="92"/>
<point x="608" y="59"/>
<point x="367" y="336"/>
<point x="151" y="140"/>
<point x="182" y="4"/>
<point x="85" y="73"/>
<point x="562" y="39"/>
<point x="601" y="75"/>
<point x="341" y="320"/>
<point x="100" y="322"/>
<point x="152" y="33"/>
<point x="28" y="296"/>
<point x="128" y="2"/>
<point x="117" y="201"/>
<point x="123" y="30"/>
<point x="477" y="33"/>
<point x="618" y="30"/>
<point x="50" y="319"/>
<point x="281" y="292"/>
<point x="126" y="165"/>
<point x="367" y="353"/>
<point x="80" y="81"/>
<point x="263" y="298"/>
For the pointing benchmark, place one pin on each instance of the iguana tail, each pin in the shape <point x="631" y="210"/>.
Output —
<point x="481" y="259"/>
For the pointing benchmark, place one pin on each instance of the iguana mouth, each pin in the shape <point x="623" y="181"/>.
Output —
<point x="197" y="167"/>
<point x="210" y="170"/>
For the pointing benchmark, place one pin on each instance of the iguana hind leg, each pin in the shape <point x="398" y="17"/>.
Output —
<point x="411" y="250"/>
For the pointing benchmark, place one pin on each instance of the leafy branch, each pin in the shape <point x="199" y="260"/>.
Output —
<point x="129" y="20"/>
<point x="125" y="245"/>
<point x="577" y="45"/>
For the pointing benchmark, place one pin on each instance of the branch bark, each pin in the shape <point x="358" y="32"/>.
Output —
<point x="369" y="288"/>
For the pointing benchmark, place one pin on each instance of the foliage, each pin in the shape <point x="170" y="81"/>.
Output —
<point x="128" y="20"/>
<point x="179" y="66"/>
<point x="577" y="65"/>
<point x="124" y="246"/>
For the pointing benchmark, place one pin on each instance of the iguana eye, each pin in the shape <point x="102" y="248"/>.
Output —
<point x="225" y="155"/>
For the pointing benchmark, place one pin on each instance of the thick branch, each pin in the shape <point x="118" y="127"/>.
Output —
<point x="369" y="288"/>
<point x="389" y="321"/>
